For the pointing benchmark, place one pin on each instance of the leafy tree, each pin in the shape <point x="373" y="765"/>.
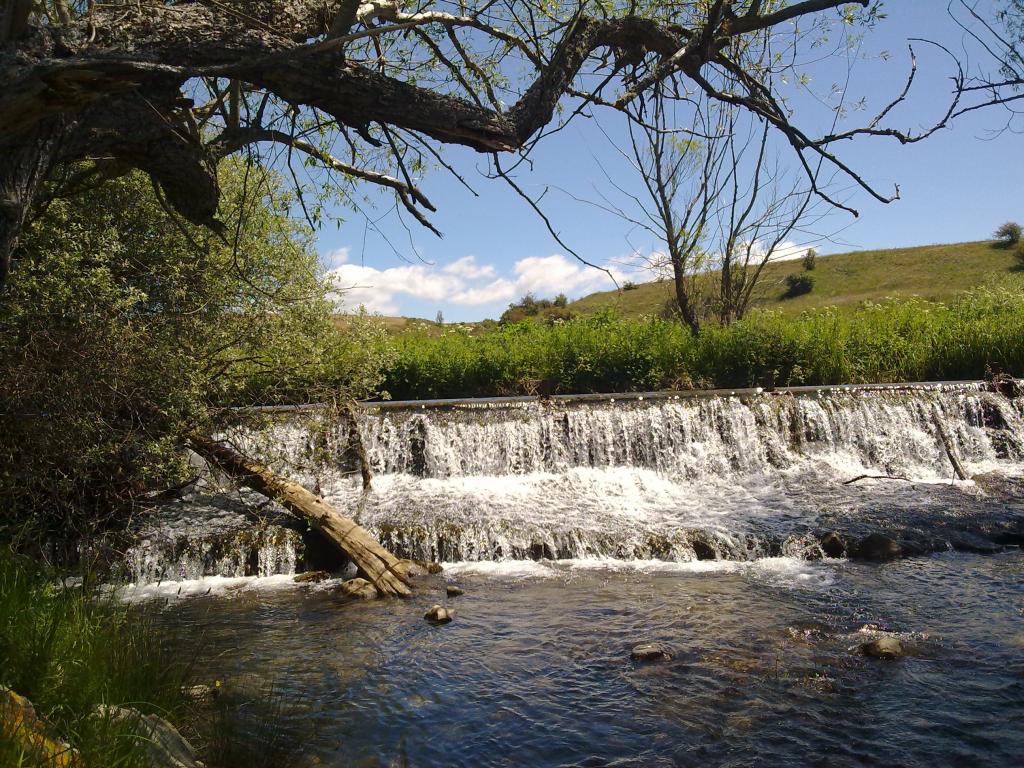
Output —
<point x="366" y="91"/>
<point x="798" y="285"/>
<point x="126" y="329"/>
<point x="1008" y="234"/>
<point x="809" y="260"/>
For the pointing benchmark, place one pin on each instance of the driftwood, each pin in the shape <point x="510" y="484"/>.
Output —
<point x="947" y="443"/>
<point x="374" y="562"/>
<point x="858" y="478"/>
<point x="355" y="443"/>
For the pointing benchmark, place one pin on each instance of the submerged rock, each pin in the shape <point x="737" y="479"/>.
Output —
<point x="311" y="577"/>
<point x="883" y="648"/>
<point x="358" y="589"/>
<point x="438" y="614"/>
<point x="203" y="695"/>
<point x="410" y="568"/>
<point x="833" y="545"/>
<point x="878" y="548"/>
<point x="648" y="652"/>
<point x="453" y="591"/>
<point x="433" y="568"/>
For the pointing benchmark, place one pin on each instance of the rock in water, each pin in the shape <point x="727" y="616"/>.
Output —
<point x="453" y="591"/>
<point x="311" y="577"/>
<point x="650" y="652"/>
<point x="202" y="695"/>
<point x="883" y="648"/>
<point x="438" y="614"/>
<point x="409" y="568"/>
<point x="832" y="545"/>
<point x="878" y="548"/>
<point x="358" y="589"/>
<point x="164" y="746"/>
<point x="434" y="568"/>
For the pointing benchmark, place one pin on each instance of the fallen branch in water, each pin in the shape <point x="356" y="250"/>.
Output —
<point x="378" y="565"/>
<point x="876" y="477"/>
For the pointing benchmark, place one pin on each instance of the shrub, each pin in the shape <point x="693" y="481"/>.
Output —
<point x="1020" y="255"/>
<point x="809" y="259"/>
<point x="1008" y="235"/>
<point x="798" y="285"/>
<point x="561" y="301"/>
<point x="629" y="285"/>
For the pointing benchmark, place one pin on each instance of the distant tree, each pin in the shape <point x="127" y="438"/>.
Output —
<point x="1008" y="234"/>
<point x="809" y="260"/>
<point x="629" y="285"/>
<point x="798" y="285"/>
<point x="440" y="318"/>
<point x="561" y="300"/>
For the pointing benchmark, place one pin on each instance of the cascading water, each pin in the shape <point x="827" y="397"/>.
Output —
<point x="656" y="477"/>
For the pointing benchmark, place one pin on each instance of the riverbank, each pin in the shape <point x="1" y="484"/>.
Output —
<point x="896" y="341"/>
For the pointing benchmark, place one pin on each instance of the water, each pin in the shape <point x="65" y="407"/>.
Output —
<point x="535" y="669"/>
<point x="579" y="529"/>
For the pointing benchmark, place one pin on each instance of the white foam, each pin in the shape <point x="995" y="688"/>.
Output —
<point x="779" y="571"/>
<point x="209" y="585"/>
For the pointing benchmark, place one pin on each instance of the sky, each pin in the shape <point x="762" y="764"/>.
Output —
<point x="957" y="185"/>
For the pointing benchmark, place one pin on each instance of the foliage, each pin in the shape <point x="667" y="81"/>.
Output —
<point x="68" y="651"/>
<point x="798" y="285"/>
<point x="1008" y="234"/>
<point x="809" y="260"/>
<point x="1020" y="256"/>
<point x="125" y="330"/>
<point x="530" y="306"/>
<point x="629" y="285"/>
<point x="878" y="342"/>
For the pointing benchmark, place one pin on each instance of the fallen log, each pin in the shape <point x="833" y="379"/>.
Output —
<point x="375" y="563"/>
<point x="947" y="443"/>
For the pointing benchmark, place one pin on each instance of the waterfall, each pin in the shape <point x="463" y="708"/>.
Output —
<point x="667" y="477"/>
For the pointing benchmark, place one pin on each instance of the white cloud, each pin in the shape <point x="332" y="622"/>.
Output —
<point x="337" y="257"/>
<point x="468" y="268"/>
<point x="466" y="282"/>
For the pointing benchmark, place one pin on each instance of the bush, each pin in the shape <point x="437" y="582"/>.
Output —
<point x="1008" y="235"/>
<point x="1020" y="255"/>
<point x="798" y="285"/>
<point x="895" y="341"/>
<point x="809" y="260"/>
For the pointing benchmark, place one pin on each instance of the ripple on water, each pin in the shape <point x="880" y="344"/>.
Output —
<point x="535" y="668"/>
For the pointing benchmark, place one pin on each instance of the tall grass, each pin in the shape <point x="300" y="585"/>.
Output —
<point x="69" y="652"/>
<point x="893" y="341"/>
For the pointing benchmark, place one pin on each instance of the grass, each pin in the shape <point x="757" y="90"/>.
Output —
<point x="69" y="652"/>
<point x="891" y="341"/>
<point x="931" y="272"/>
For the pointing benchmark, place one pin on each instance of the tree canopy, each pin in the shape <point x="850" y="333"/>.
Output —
<point x="371" y="91"/>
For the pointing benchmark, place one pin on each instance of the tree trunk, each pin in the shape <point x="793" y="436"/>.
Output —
<point x="378" y="565"/>
<point x="683" y="296"/>
<point x="24" y="166"/>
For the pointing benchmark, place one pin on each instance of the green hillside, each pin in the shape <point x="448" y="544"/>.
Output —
<point x="935" y="272"/>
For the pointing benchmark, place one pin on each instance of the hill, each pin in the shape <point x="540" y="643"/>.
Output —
<point x="934" y="272"/>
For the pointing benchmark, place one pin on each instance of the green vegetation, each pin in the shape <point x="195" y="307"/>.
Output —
<point x="531" y="306"/>
<point x="798" y="285"/>
<point x="125" y="331"/>
<point x="69" y="653"/>
<point x="910" y="340"/>
<point x="932" y="272"/>
<point x="1008" y="234"/>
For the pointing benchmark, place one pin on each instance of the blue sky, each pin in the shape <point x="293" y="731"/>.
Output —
<point x="958" y="185"/>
